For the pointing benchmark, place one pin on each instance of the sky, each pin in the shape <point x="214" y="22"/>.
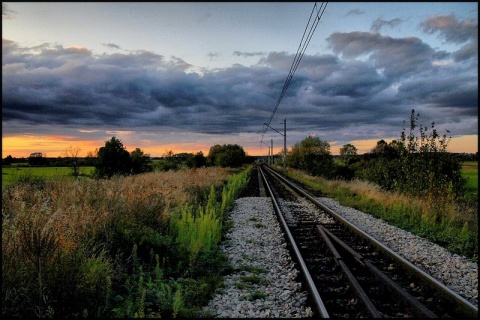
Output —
<point x="184" y="76"/>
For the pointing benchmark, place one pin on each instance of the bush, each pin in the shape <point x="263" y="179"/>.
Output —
<point x="416" y="165"/>
<point x="343" y="172"/>
<point x="227" y="155"/>
<point x="313" y="156"/>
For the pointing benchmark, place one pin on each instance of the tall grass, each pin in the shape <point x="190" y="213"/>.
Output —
<point x="104" y="248"/>
<point x="200" y="227"/>
<point x="450" y="224"/>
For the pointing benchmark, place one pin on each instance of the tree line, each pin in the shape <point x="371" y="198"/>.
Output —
<point x="113" y="159"/>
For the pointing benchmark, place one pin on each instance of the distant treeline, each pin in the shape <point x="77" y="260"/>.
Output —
<point x="48" y="161"/>
<point x="178" y="158"/>
<point x="113" y="158"/>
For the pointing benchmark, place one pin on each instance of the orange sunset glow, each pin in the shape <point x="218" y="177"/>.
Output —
<point x="55" y="146"/>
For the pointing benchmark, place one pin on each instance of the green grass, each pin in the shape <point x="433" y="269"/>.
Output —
<point x="10" y="174"/>
<point x="252" y="269"/>
<point x="469" y="171"/>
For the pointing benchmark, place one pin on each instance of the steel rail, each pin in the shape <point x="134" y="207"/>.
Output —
<point x="463" y="306"/>
<point x="353" y="280"/>
<point x="418" y="308"/>
<point x="310" y="283"/>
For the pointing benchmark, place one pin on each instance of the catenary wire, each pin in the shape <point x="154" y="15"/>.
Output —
<point x="298" y="57"/>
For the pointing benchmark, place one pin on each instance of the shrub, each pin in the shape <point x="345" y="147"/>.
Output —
<point x="313" y="156"/>
<point x="227" y="155"/>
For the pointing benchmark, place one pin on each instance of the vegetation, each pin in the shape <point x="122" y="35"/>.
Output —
<point x="469" y="172"/>
<point x="120" y="247"/>
<point x="228" y="155"/>
<point x="178" y="161"/>
<point x="416" y="165"/>
<point x="72" y="153"/>
<point x="13" y="174"/>
<point x="114" y="159"/>
<point x="313" y="156"/>
<point x="347" y="153"/>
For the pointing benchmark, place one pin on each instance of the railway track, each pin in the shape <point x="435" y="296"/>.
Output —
<point x="348" y="273"/>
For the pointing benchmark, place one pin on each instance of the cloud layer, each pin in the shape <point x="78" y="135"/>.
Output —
<point x="364" y="89"/>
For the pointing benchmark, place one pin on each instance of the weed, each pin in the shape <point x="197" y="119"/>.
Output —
<point x="257" y="294"/>
<point x="253" y="279"/>
<point x="242" y="285"/>
<point x="252" y="269"/>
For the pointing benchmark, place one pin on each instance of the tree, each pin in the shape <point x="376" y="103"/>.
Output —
<point x="199" y="160"/>
<point x="8" y="160"/>
<point x="140" y="162"/>
<point x="313" y="156"/>
<point x="386" y="150"/>
<point x="213" y="154"/>
<point x="228" y="155"/>
<point x="112" y="159"/>
<point x="91" y="157"/>
<point x="347" y="152"/>
<point x="37" y="159"/>
<point x="72" y="153"/>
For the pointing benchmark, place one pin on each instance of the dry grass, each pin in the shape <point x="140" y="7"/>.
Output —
<point x="365" y="191"/>
<point x="49" y="231"/>
<point x="75" y="207"/>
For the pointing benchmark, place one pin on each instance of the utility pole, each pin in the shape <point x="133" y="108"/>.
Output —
<point x="271" y="141"/>
<point x="284" y="134"/>
<point x="268" y="157"/>
<point x="284" y="144"/>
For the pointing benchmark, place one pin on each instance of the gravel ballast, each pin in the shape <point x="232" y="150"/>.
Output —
<point x="264" y="283"/>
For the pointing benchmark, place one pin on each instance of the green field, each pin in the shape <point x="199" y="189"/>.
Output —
<point x="9" y="174"/>
<point x="470" y="172"/>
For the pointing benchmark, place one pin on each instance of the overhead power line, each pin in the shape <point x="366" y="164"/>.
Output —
<point x="298" y="56"/>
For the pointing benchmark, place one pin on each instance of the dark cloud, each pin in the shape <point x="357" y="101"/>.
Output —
<point x="396" y="57"/>
<point x="248" y="54"/>
<point x="452" y="30"/>
<point x="213" y="55"/>
<point x="355" y="12"/>
<point x="378" y="24"/>
<point x="139" y="59"/>
<point x="466" y="52"/>
<point x="179" y="64"/>
<point x="364" y="90"/>
<point x="111" y="45"/>
<point x="456" y="32"/>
